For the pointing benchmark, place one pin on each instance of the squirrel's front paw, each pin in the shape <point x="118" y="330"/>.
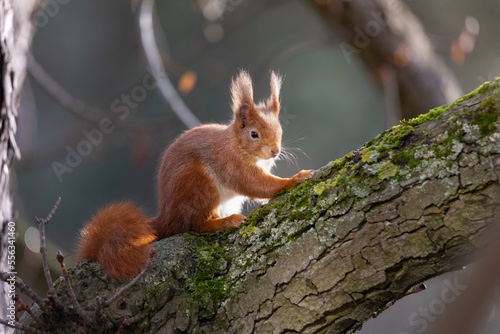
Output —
<point x="235" y="220"/>
<point x="303" y="175"/>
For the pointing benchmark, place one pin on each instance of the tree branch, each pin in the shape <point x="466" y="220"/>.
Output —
<point x="16" y="31"/>
<point x="385" y="33"/>
<point x="43" y="251"/>
<point x="368" y="229"/>
<point x="153" y="56"/>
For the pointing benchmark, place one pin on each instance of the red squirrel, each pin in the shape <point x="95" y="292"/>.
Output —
<point x="204" y="178"/>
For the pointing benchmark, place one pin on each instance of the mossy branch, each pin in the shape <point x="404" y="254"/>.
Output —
<point x="411" y="204"/>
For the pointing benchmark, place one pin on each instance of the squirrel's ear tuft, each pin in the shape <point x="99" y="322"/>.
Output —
<point x="273" y="102"/>
<point x="242" y="92"/>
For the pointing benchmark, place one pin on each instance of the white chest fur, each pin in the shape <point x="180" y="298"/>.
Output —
<point x="232" y="202"/>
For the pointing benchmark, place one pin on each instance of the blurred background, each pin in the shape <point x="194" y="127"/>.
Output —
<point x="93" y="124"/>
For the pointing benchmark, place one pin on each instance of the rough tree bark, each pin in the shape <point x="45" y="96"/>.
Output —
<point x="324" y="257"/>
<point x="393" y="45"/>
<point x="16" y="33"/>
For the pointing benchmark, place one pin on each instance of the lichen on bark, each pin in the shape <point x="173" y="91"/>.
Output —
<point x="331" y="253"/>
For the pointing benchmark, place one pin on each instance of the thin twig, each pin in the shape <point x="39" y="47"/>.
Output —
<point x="133" y="320"/>
<point x="108" y="302"/>
<point x="120" y="329"/>
<point x="21" y="327"/>
<point x="53" y="211"/>
<point x="297" y="46"/>
<point x="26" y="290"/>
<point x="97" y="314"/>
<point x="129" y="321"/>
<point x="76" y="304"/>
<point x="157" y="69"/>
<point x="103" y="304"/>
<point x="23" y="307"/>
<point x="43" y="250"/>
<point x="60" y="95"/>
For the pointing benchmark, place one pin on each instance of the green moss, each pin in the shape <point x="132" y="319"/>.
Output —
<point x="144" y="323"/>
<point x="436" y="112"/>
<point x="397" y="135"/>
<point x="387" y="170"/>
<point x="369" y="154"/>
<point x="210" y="262"/>
<point x="456" y="130"/>
<point x="209" y="295"/>
<point x="383" y="150"/>
<point x="302" y="201"/>
<point x="247" y="230"/>
<point x="486" y="119"/>
<point x="296" y="234"/>
<point x="319" y="188"/>
<point x="432" y="114"/>
<point x="488" y="103"/>
<point x="405" y="158"/>
<point x="300" y="214"/>
<point x="338" y="164"/>
<point x="480" y="90"/>
<point x="209" y="284"/>
<point x="152" y="294"/>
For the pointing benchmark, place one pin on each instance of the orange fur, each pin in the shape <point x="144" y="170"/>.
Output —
<point x="118" y="238"/>
<point x="203" y="171"/>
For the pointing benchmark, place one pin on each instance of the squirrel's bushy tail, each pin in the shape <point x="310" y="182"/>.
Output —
<point x="118" y="237"/>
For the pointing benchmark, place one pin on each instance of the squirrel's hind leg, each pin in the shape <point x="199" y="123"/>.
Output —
<point x="218" y="224"/>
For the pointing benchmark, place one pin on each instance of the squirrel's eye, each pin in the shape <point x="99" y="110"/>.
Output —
<point x="254" y="134"/>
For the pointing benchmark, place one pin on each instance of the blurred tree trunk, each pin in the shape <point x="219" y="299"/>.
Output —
<point x="391" y="42"/>
<point x="325" y="256"/>
<point x="16" y="33"/>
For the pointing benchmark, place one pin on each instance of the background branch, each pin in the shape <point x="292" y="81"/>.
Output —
<point x="386" y="33"/>
<point x="156" y="64"/>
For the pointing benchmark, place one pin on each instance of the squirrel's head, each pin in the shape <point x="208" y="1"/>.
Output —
<point x="257" y="126"/>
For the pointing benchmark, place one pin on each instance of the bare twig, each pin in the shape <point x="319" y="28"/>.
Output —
<point x="53" y="211"/>
<point x="296" y="47"/>
<point x="108" y="302"/>
<point x="43" y="250"/>
<point x="59" y="94"/>
<point x="76" y="304"/>
<point x="133" y="320"/>
<point x="103" y="304"/>
<point x="21" y="327"/>
<point x="129" y="321"/>
<point x="27" y="291"/>
<point x="23" y="307"/>
<point x="97" y="314"/>
<point x="157" y="70"/>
